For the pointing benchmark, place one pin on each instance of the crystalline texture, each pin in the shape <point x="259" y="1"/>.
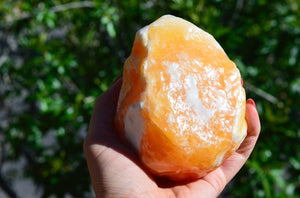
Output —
<point x="181" y="104"/>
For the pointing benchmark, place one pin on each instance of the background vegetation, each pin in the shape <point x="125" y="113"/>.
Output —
<point x="57" y="56"/>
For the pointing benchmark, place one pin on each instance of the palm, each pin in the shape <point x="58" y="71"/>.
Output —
<point x="116" y="172"/>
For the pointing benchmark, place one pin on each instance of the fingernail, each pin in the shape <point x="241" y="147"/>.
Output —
<point x="242" y="82"/>
<point x="251" y="101"/>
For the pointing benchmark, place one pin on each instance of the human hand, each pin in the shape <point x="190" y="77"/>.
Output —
<point x="116" y="171"/>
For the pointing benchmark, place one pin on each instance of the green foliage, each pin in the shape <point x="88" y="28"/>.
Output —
<point x="56" y="57"/>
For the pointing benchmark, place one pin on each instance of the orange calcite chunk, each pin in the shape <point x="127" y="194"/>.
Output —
<point x="181" y="105"/>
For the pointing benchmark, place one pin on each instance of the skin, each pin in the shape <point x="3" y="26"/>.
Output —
<point x="116" y="172"/>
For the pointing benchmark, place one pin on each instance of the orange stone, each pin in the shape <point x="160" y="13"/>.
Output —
<point x="181" y="105"/>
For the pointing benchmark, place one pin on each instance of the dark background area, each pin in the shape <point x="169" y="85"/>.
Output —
<point x="57" y="56"/>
